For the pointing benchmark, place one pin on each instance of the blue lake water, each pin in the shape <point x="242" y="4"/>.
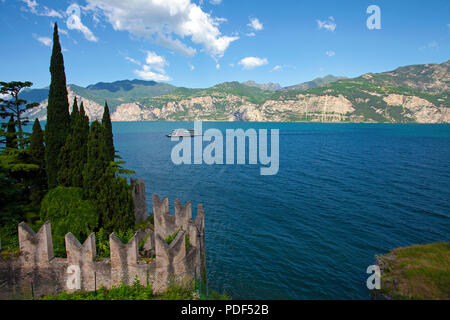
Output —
<point x="344" y="193"/>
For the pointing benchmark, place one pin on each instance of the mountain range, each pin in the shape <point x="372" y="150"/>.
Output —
<point x="411" y="94"/>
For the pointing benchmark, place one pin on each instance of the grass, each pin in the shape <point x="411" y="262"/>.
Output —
<point x="137" y="292"/>
<point x="169" y="239"/>
<point x="417" y="272"/>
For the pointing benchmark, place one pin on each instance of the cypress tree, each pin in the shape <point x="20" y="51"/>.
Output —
<point x="116" y="204"/>
<point x="37" y="148"/>
<point x="79" y="142"/>
<point x="111" y="194"/>
<point x="58" y="118"/>
<point x="74" y="114"/>
<point x="82" y="112"/>
<point x="97" y="162"/>
<point x="11" y="135"/>
<point x="37" y="156"/>
<point x="109" y="139"/>
<point x="65" y="163"/>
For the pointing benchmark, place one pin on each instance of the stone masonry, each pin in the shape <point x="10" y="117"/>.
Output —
<point x="36" y="269"/>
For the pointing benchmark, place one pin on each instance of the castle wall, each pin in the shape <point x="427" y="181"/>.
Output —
<point x="139" y="199"/>
<point x="37" y="269"/>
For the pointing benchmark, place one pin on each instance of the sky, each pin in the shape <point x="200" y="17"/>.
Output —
<point x="200" y="43"/>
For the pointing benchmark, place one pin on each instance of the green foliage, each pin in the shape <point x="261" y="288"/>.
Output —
<point x="75" y="112"/>
<point x="8" y="235"/>
<point x="138" y="292"/>
<point x="58" y="118"/>
<point x="169" y="239"/>
<point x="102" y="239"/>
<point x="11" y="135"/>
<point x="38" y="179"/>
<point x="15" y="108"/>
<point x="125" y="236"/>
<point x="116" y="205"/>
<point x="147" y="224"/>
<point x="122" y="292"/>
<point x="68" y="212"/>
<point x="78" y="147"/>
<point x="417" y="272"/>
<point x="109" y="192"/>
<point x="121" y="92"/>
<point x="186" y="238"/>
<point x="97" y="162"/>
<point x="108" y="134"/>
<point x="142" y="242"/>
<point x="64" y="164"/>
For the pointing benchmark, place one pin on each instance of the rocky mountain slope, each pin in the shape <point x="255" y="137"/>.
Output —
<point x="316" y="83"/>
<point x="412" y="94"/>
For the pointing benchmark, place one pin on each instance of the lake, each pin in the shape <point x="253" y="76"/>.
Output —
<point x="343" y="193"/>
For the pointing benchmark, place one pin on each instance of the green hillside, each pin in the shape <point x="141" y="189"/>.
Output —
<point x="422" y="92"/>
<point x="120" y="92"/>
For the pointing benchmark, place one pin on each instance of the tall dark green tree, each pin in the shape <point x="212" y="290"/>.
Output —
<point x="115" y="203"/>
<point x="79" y="147"/>
<point x="73" y="156"/>
<point x="11" y="135"/>
<point x="38" y="179"/>
<point x="97" y="162"/>
<point x="74" y="114"/>
<point x="65" y="163"/>
<point x="110" y="192"/>
<point x="58" y="117"/>
<point x="83" y="114"/>
<point x="16" y="107"/>
<point x="109" y="138"/>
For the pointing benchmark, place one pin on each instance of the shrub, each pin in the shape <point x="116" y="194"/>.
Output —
<point x="68" y="212"/>
<point x="169" y="239"/>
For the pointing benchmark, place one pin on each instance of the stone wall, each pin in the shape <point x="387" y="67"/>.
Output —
<point x="37" y="269"/>
<point x="139" y="199"/>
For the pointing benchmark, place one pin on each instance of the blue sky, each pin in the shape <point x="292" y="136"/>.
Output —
<point x="202" y="43"/>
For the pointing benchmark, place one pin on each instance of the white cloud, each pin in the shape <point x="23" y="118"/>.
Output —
<point x="282" y="67"/>
<point x="150" y="75"/>
<point x="251" y="34"/>
<point x="255" y="24"/>
<point x="330" y="53"/>
<point x="253" y="62"/>
<point x="277" y="68"/>
<point x="177" y="45"/>
<point x="133" y="61"/>
<point x="46" y="41"/>
<point x="156" y="62"/>
<point x="218" y="66"/>
<point x="51" y="13"/>
<point x="215" y="2"/>
<point x="329" y="24"/>
<point x="191" y="67"/>
<point x="74" y="23"/>
<point x="32" y="6"/>
<point x="163" y="20"/>
<point x="153" y="69"/>
<point x="433" y="45"/>
<point x="5" y="96"/>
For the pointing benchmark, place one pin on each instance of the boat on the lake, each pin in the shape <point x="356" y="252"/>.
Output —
<point x="183" y="133"/>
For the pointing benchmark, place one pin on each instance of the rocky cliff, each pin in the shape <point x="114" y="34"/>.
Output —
<point x="413" y="94"/>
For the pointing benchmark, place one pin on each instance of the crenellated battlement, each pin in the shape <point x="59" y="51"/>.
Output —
<point x="180" y="260"/>
<point x="177" y="259"/>
<point x="36" y="248"/>
<point x="139" y="198"/>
